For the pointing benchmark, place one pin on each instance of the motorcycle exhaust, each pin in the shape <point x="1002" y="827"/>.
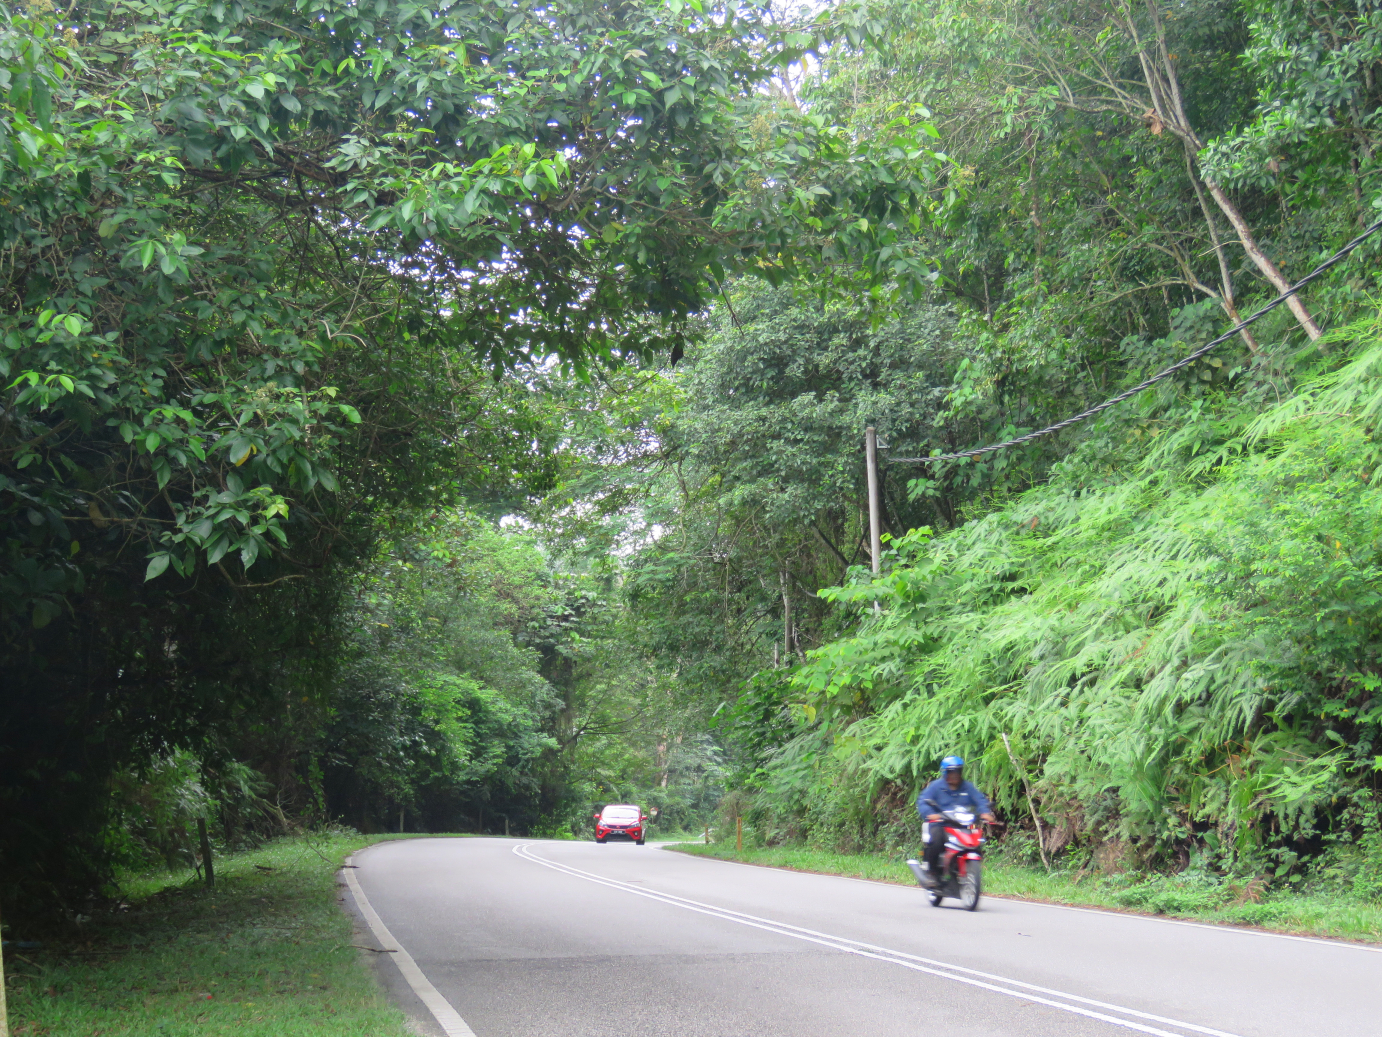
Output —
<point x="916" y="870"/>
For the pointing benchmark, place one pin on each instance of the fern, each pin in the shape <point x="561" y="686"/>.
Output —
<point x="1187" y="635"/>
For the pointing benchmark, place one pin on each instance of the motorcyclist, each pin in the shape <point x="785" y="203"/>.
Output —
<point x="948" y="792"/>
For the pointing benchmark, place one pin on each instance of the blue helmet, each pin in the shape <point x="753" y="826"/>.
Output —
<point x="952" y="763"/>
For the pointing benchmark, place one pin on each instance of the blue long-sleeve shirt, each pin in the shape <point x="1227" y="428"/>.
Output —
<point x="939" y="797"/>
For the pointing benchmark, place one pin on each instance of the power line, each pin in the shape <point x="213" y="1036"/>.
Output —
<point x="1160" y="375"/>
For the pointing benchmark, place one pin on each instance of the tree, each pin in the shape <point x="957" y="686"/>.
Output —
<point x="271" y="265"/>
<point x="1083" y="51"/>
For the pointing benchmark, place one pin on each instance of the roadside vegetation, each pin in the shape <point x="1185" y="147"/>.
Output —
<point x="1153" y="636"/>
<point x="1200" y="896"/>
<point x="267" y="952"/>
<point x="400" y="437"/>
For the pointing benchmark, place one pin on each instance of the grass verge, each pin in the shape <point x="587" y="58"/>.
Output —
<point x="1303" y="914"/>
<point x="267" y="953"/>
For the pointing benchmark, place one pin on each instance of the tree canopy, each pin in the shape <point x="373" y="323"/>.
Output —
<point x="451" y="416"/>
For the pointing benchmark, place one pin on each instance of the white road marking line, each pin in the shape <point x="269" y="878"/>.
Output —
<point x="944" y="970"/>
<point x="447" y="1017"/>
<point x="1219" y="927"/>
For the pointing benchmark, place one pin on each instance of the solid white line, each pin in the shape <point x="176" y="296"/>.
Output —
<point x="866" y="950"/>
<point x="1216" y="927"/>
<point x="447" y="1017"/>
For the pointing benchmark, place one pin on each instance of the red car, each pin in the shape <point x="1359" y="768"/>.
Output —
<point x="620" y="821"/>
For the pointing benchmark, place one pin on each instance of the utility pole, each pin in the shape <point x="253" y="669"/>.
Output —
<point x="787" y="637"/>
<point x="875" y="520"/>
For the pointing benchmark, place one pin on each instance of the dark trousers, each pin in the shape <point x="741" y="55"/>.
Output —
<point x="935" y="845"/>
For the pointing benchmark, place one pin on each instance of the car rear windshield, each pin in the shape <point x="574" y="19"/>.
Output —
<point x="621" y="814"/>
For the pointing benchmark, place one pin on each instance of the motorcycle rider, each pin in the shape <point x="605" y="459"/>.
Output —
<point x="948" y="792"/>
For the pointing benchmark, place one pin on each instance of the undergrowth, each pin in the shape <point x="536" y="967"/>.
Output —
<point x="267" y="953"/>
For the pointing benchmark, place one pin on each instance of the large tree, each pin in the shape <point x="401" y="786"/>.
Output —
<point x="266" y="268"/>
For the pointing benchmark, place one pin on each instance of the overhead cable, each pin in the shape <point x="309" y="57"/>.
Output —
<point x="1160" y="375"/>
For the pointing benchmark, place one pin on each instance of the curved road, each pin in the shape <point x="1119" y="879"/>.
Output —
<point x="515" y="938"/>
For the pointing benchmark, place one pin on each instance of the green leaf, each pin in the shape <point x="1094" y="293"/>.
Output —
<point x="73" y="324"/>
<point x="45" y="611"/>
<point x="157" y="564"/>
<point x="42" y="104"/>
<point x="217" y="549"/>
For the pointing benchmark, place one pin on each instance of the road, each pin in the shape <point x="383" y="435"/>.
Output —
<point x="572" y="939"/>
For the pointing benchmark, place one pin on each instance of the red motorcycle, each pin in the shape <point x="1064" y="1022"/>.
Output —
<point x="961" y="872"/>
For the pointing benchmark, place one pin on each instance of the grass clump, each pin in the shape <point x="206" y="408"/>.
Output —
<point x="1193" y="896"/>
<point x="267" y="953"/>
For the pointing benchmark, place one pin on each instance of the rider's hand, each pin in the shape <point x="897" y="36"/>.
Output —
<point x="933" y="817"/>
<point x="986" y="817"/>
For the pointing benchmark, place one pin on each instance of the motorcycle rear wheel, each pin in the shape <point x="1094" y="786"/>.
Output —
<point x="971" y="885"/>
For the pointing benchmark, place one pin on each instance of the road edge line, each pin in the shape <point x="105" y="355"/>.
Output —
<point x="442" y="1011"/>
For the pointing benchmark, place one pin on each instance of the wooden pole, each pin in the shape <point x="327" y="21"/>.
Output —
<point x="738" y="834"/>
<point x="707" y="835"/>
<point x="786" y="620"/>
<point x="206" y="852"/>
<point x="875" y="520"/>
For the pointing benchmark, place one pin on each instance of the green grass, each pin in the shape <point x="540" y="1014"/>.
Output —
<point x="268" y="953"/>
<point x="1290" y="911"/>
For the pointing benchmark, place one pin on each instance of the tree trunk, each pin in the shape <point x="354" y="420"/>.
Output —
<point x="205" y="840"/>
<point x="1167" y="112"/>
<point x="1261" y="261"/>
<point x="1226" y="299"/>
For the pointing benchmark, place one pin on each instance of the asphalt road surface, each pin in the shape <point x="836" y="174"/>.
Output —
<point x="572" y="939"/>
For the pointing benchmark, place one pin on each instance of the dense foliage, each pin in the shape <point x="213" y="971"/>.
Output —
<point x="281" y="277"/>
<point x="1152" y="635"/>
<point x="449" y="417"/>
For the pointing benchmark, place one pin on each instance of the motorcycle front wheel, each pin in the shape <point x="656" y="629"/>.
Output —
<point x="970" y="886"/>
